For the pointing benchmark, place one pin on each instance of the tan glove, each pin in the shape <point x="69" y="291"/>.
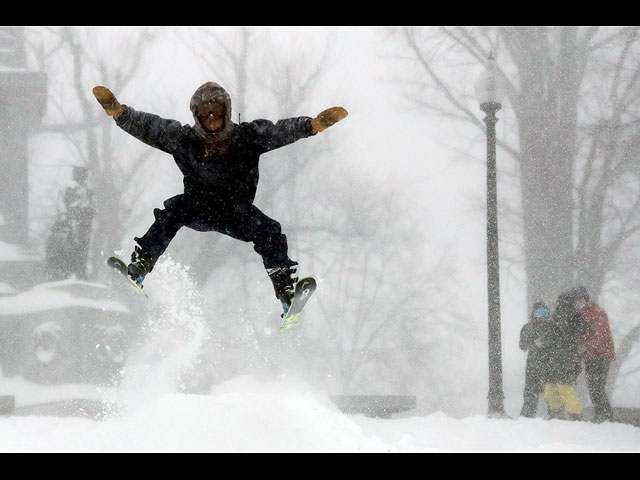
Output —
<point x="327" y="118"/>
<point x="108" y="101"/>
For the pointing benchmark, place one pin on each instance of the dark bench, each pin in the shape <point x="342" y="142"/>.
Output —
<point x="376" y="406"/>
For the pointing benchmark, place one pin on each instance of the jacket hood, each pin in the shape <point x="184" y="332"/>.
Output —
<point x="211" y="92"/>
<point x="539" y="310"/>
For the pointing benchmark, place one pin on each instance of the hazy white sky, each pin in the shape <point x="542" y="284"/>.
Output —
<point x="382" y="138"/>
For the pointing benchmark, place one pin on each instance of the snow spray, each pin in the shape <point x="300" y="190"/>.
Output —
<point x="167" y="356"/>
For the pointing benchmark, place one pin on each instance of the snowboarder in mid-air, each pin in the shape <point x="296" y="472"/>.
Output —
<point x="219" y="161"/>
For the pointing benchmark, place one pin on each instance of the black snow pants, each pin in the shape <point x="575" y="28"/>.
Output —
<point x="243" y="221"/>
<point x="596" y="373"/>
<point x="533" y="385"/>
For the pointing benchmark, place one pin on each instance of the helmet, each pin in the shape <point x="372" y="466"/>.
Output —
<point x="211" y="93"/>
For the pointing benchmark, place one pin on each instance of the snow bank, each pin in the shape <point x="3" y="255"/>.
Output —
<point x="248" y="415"/>
<point x="15" y="253"/>
<point x="52" y="296"/>
<point x="28" y="393"/>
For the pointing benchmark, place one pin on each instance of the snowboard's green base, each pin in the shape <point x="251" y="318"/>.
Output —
<point x="120" y="266"/>
<point x="303" y="290"/>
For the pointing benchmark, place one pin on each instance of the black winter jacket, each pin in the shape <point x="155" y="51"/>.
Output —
<point x="568" y="325"/>
<point x="535" y="338"/>
<point x="231" y="177"/>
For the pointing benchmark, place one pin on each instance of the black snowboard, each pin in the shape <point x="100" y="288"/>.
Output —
<point x="303" y="290"/>
<point x="121" y="267"/>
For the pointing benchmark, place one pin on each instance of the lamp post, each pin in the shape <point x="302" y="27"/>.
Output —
<point x="490" y="93"/>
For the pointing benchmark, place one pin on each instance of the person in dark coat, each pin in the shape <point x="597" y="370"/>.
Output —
<point x="219" y="160"/>
<point x="564" y="360"/>
<point x="597" y="351"/>
<point x="534" y="340"/>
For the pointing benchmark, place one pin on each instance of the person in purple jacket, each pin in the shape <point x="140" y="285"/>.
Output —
<point x="219" y="160"/>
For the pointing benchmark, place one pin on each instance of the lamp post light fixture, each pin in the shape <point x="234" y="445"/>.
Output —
<point x="489" y="89"/>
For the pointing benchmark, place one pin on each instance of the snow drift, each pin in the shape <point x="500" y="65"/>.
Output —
<point x="247" y="414"/>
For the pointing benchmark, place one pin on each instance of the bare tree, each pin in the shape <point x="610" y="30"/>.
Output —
<point x="549" y="70"/>
<point x="607" y="191"/>
<point x="385" y="306"/>
<point x="76" y="59"/>
<point x="574" y="97"/>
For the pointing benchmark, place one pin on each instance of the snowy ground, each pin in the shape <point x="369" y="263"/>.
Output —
<point x="247" y="415"/>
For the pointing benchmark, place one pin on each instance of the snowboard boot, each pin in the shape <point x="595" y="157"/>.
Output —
<point x="141" y="264"/>
<point x="283" y="279"/>
<point x="603" y="416"/>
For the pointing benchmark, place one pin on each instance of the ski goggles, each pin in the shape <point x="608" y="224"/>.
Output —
<point x="541" y="312"/>
<point x="216" y="110"/>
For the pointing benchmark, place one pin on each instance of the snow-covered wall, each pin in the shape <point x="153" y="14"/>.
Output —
<point x="62" y="332"/>
<point x="69" y="293"/>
